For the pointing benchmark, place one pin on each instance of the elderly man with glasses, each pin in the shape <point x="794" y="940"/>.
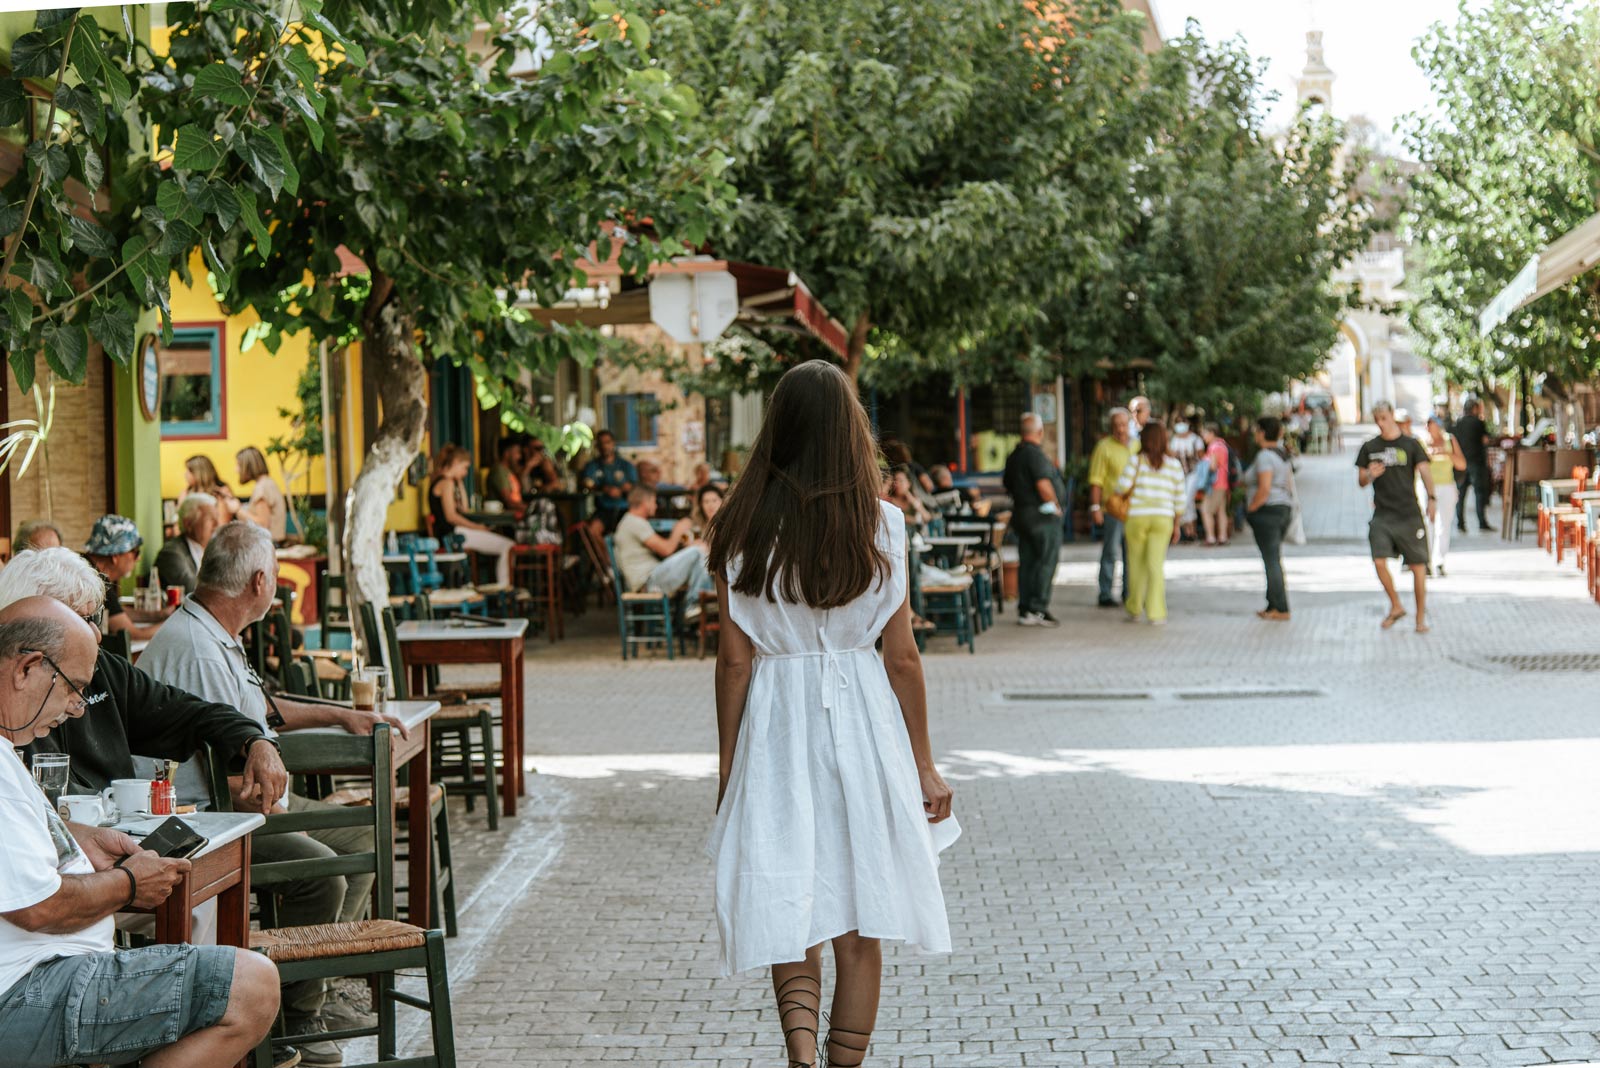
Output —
<point x="199" y="651"/>
<point x="128" y="712"/>
<point x="67" y="996"/>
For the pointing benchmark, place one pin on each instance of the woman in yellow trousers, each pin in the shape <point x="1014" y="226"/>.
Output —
<point x="1156" y="479"/>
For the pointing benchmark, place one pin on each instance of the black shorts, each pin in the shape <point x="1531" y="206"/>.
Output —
<point x="1402" y="536"/>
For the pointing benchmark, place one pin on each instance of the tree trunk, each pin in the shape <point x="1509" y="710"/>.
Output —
<point x="857" y="347"/>
<point x="389" y="357"/>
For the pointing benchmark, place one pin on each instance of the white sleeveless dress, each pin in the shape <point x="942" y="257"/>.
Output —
<point x="822" y="830"/>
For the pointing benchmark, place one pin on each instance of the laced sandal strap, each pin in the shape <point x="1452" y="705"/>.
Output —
<point x="847" y="1048"/>
<point x="789" y="1002"/>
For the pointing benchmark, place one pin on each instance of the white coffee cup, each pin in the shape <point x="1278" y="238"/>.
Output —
<point x="493" y="507"/>
<point x="131" y="796"/>
<point x="91" y="809"/>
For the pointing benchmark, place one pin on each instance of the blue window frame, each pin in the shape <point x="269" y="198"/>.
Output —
<point x="193" y="383"/>
<point x="632" y="418"/>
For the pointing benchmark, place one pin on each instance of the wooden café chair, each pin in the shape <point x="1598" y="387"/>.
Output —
<point x="378" y="947"/>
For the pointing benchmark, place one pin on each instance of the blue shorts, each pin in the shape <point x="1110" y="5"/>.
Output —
<point x="113" y="1008"/>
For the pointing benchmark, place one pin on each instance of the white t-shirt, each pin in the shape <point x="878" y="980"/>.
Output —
<point x="278" y="509"/>
<point x="635" y="559"/>
<point x="35" y="851"/>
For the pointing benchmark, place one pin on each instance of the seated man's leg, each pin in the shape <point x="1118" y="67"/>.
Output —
<point x="344" y="841"/>
<point x="173" y="1006"/>
<point x="301" y="903"/>
<point x="683" y="570"/>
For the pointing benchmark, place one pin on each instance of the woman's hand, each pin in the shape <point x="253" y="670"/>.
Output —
<point x="936" y="795"/>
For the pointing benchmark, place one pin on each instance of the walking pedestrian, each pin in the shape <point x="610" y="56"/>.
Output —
<point x="1110" y="456"/>
<point x="1155" y="480"/>
<point x="1473" y="435"/>
<point x="1445" y="459"/>
<point x="1139" y="410"/>
<point x="1037" y="496"/>
<point x="830" y="811"/>
<point x="1214" y="507"/>
<point x="1390" y="463"/>
<point x="1269" y="511"/>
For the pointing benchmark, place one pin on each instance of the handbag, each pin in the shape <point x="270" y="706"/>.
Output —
<point x="1119" y="504"/>
<point x="1296" y="534"/>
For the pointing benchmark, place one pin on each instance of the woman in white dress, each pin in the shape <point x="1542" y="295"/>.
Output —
<point x="830" y="812"/>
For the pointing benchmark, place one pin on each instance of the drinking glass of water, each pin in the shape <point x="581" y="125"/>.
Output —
<point x="50" y="772"/>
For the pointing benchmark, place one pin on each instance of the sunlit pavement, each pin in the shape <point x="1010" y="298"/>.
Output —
<point x="1223" y="842"/>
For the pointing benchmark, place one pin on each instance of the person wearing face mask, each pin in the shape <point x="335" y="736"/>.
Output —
<point x="1188" y="447"/>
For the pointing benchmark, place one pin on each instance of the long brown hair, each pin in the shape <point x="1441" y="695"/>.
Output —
<point x="446" y="458"/>
<point x="802" y="520"/>
<point x="1153" y="444"/>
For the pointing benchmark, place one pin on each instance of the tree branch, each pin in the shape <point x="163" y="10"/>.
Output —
<point x="38" y="175"/>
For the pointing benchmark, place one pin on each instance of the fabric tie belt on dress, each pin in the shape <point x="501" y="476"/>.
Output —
<point x="833" y="676"/>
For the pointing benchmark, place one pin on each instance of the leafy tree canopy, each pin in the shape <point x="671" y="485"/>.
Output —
<point x="923" y="166"/>
<point x="1510" y="163"/>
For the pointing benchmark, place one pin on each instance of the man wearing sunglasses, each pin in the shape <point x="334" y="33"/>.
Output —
<point x="66" y="996"/>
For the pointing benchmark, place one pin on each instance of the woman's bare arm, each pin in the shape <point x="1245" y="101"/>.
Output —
<point x="452" y="514"/>
<point x="904" y="666"/>
<point x="735" y="663"/>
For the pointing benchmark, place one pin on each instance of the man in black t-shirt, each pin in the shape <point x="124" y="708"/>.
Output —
<point x="1473" y="435"/>
<point x="1390" y="464"/>
<point x="1037" y="499"/>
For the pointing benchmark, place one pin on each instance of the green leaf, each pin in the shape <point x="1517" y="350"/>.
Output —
<point x="214" y="261"/>
<point x="299" y="62"/>
<point x="223" y="83"/>
<point x="216" y="198"/>
<point x="308" y="113"/>
<point x="34" y="55"/>
<point x="66" y="350"/>
<point x="21" y="311"/>
<point x="86" y="57"/>
<point x="13" y="102"/>
<point x="603" y="8"/>
<point x="453" y="126"/>
<point x="264" y="158"/>
<point x="639" y="33"/>
<point x="52" y="159"/>
<point x="291" y="179"/>
<point x="195" y="150"/>
<point x="112" y="325"/>
<point x="10" y="219"/>
<point x="354" y="51"/>
<point x="42" y="270"/>
<point x="179" y="240"/>
<point x="252" y="220"/>
<point x="21" y="361"/>
<point x="116" y="81"/>
<point x="49" y="17"/>
<point x="94" y="169"/>
<point x="91" y="237"/>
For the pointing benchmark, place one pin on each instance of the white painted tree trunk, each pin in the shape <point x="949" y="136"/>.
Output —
<point x="389" y="357"/>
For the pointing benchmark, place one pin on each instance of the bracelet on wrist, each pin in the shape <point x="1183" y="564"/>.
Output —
<point x="133" y="887"/>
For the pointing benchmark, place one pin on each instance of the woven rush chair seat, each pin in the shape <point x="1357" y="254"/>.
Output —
<point x="460" y="713"/>
<point x="322" y="940"/>
<point x="642" y="595"/>
<point x="952" y="587"/>
<point x="362" y="795"/>
<point x="451" y="598"/>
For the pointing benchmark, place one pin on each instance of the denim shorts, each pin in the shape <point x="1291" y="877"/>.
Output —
<point x="113" y="1008"/>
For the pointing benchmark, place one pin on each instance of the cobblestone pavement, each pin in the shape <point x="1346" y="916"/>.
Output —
<point x="1225" y="842"/>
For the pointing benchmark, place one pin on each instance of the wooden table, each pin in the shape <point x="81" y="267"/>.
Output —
<point x="221" y="870"/>
<point x="431" y="642"/>
<point x="412" y="753"/>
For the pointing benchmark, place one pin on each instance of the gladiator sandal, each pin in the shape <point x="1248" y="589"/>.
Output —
<point x="789" y="1002"/>
<point x="846" y="1052"/>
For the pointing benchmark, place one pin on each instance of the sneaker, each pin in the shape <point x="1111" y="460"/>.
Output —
<point x="1158" y="622"/>
<point x="319" y="1054"/>
<point x="1109" y="602"/>
<point x="1030" y="619"/>
<point x="691" y="613"/>
<point x="285" y="1057"/>
<point x="1441" y="571"/>
<point x="1048" y="620"/>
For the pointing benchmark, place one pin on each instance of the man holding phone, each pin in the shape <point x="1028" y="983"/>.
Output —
<point x="66" y="997"/>
<point x="1390" y="464"/>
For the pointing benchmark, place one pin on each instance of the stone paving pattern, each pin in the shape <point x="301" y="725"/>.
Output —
<point x="1396" y="868"/>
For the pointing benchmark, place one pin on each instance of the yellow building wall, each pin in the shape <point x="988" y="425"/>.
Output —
<point x="256" y="384"/>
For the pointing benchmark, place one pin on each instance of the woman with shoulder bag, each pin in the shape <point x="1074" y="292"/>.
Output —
<point x="1270" y="511"/>
<point x="1152" y="485"/>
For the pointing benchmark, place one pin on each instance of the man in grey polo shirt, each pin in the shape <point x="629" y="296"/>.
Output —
<point x="198" y="649"/>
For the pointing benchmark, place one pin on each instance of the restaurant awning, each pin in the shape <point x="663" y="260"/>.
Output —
<point x="1558" y="263"/>
<point x="770" y="297"/>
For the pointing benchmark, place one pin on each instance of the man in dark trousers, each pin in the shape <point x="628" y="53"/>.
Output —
<point x="1390" y="464"/>
<point x="1037" y="496"/>
<point x="1474" y="438"/>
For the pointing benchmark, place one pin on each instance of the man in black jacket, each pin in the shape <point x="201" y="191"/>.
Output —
<point x="126" y="711"/>
<point x="179" y="559"/>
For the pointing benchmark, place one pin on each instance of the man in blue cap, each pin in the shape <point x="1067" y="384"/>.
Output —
<point x="113" y="550"/>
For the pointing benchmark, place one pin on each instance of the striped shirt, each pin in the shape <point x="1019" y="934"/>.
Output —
<point x="1157" y="492"/>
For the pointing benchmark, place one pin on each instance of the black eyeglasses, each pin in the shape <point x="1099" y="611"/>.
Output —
<point x="82" y="701"/>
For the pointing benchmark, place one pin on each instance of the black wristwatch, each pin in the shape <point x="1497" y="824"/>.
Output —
<point x="263" y="738"/>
